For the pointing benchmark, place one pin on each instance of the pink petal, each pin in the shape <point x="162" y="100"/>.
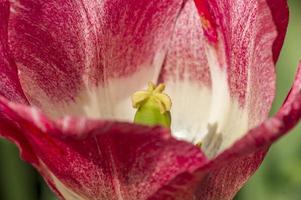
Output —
<point x="186" y="72"/>
<point x="269" y="131"/>
<point x="100" y="159"/>
<point x="64" y="48"/>
<point x="234" y="166"/>
<point x="224" y="63"/>
<point x="215" y="181"/>
<point x="186" y="58"/>
<point x="280" y="12"/>
<point x="246" y="41"/>
<point x="9" y="84"/>
<point x="222" y="177"/>
<point x="248" y="34"/>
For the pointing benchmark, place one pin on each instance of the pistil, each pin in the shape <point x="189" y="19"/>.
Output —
<point x="153" y="106"/>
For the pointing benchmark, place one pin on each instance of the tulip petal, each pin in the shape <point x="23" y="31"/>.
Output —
<point x="272" y="129"/>
<point x="9" y="84"/>
<point x="219" y="181"/>
<point x="220" y="66"/>
<point x="223" y="176"/>
<point x="74" y="57"/>
<point x="252" y="34"/>
<point x="234" y="166"/>
<point x="280" y="12"/>
<point x="90" y="159"/>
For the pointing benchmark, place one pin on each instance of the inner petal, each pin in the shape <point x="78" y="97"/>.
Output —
<point x="88" y="57"/>
<point x="227" y="85"/>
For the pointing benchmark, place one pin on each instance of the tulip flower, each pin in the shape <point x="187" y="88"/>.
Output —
<point x="70" y="68"/>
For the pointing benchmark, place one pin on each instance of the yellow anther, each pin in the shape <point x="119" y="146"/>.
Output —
<point x="155" y="94"/>
<point x="160" y="88"/>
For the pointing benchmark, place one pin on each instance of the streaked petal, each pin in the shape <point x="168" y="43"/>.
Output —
<point x="9" y="84"/>
<point x="250" y="36"/>
<point x="272" y="129"/>
<point x="187" y="75"/>
<point x="215" y="181"/>
<point x="89" y="159"/>
<point x="223" y="176"/>
<point x="220" y="66"/>
<point x="256" y="142"/>
<point x="72" y="55"/>
<point x="231" y="169"/>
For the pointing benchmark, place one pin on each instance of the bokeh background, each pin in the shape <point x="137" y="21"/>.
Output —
<point x="279" y="177"/>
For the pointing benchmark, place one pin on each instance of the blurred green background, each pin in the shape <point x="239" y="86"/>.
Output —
<point x="279" y="177"/>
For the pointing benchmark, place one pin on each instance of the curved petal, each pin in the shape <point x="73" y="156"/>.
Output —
<point x="229" y="168"/>
<point x="72" y="54"/>
<point x="280" y="12"/>
<point x="250" y="36"/>
<point x="9" y="84"/>
<point x="272" y="129"/>
<point x="222" y="177"/>
<point x="221" y="56"/>
<point x="87" y="159"/>
<point x="219" y="181"/>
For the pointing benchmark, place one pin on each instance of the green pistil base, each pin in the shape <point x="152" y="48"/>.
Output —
<point x="149" y="114"/>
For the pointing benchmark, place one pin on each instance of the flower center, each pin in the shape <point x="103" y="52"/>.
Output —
<point x="153" y="106"/>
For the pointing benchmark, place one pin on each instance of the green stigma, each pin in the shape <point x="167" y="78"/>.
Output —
<point x="153" y="106"/>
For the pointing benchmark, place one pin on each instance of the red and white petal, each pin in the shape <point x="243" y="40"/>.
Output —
<point x="88" y="57"/>
<point x="186" y="74"/>
<point x="222" y="177"/>
<point x="272" y="129"/>
<point x="90" y="159"/>
<point x="225" y="178"/>
<point x="230" y="170"/>
<point x="247" y="32"/>
<point x="9" y="81"/>
<point x="220" y="66"/>
<point x="10" y="86"/>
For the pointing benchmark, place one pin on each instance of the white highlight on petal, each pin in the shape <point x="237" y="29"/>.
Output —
<point x="232" y="120"/>
<point x="112" y="100"/>
<point x="191" y="106"/>
<point x="196" y="106"/>
<point x="37" y="119"/>
<point x="67" y="193"/>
